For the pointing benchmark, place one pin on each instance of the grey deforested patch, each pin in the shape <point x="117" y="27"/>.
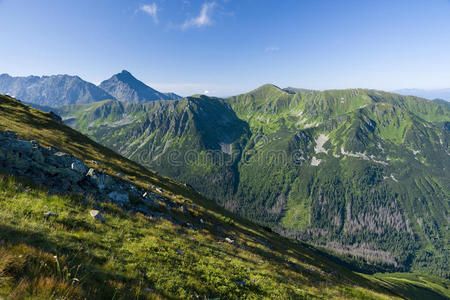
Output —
<point x="363" y="250"/>
<point x="320" y="142"/>
<point x="393" y="178"/>
<point x="362" y="156"/>
<point x="315" y="162"/>
<point x="354" y="154"/>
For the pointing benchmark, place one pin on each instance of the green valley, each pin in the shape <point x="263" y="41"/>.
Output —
<point x="184" y="247"/>
<point x="363" y="173"/>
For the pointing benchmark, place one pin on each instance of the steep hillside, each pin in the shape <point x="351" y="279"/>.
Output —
<point x="361" y="172"/>
<point x="75" y="240"/>
<point x="125" y="87"/>
<point x="52" y="90"/>
<point x="369" y="175"/>
<point x="191" y="139"/>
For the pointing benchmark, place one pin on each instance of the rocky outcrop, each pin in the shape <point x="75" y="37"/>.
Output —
<point x="64" y="173"/>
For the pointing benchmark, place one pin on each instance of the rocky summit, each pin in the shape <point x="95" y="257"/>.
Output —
<point x="125" y="87"/>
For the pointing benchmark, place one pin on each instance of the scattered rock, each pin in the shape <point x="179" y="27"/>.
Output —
<point x="99" y="178"/>
<point x="63" y="173"/>
<point x="120" y="198"/>
<point x="79" y="167"/>
<point x="97" y="215"/>
<point x="228" y="240"/>
<point x="49" y="214"/>
<point x="60" y="154"/>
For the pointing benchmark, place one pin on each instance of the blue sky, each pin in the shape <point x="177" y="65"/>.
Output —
<point x="231" y="46"/>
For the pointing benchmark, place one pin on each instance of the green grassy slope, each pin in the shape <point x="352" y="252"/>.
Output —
<point x="133" y="256"/>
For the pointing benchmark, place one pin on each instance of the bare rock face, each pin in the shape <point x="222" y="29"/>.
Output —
<point x="64" y="173"/>
<point x="120" y="198"/>
<point x="100" y="179"/>
<point x="125" y="87"/>
<point x="79" y="167"/>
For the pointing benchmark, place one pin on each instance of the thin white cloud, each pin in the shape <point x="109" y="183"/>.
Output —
<point x="203" y="19"/>
<point x="272" y="49"/>
<point x="152" y="10"/>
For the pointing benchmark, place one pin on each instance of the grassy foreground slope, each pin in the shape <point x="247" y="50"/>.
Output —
<point x="73" y="256"/>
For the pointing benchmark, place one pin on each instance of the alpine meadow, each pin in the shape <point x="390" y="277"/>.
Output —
<point x="187" y="176"/>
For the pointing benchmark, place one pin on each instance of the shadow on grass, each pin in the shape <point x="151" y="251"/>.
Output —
<point x="95" y="283"/>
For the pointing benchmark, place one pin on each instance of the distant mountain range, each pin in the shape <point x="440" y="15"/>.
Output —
<point x="57" y="90"/>
<point x="52" y="90"/>
<point x="428" y="94"/>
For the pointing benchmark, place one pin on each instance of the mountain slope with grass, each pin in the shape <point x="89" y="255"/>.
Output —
<point x="69" y="241"/>
<point x="361" y="172"/>
<point x="370" y="172"/>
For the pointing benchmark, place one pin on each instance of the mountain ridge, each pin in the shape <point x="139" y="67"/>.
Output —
<point x="63" y="89"/>
<point x="373" y="141"/>
<point x="125" y="87"/>
<point x="53" y="90"/>
<point x="178" y="246"/>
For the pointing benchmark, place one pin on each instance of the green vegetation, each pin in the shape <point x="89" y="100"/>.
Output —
<point x="415" y="285"/>
<point x="360" y="172"/>
<point x="72" y="256"/>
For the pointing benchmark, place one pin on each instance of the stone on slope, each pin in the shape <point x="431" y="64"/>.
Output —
<point x="97" y="215"/>
<point x="119" y="198"/>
